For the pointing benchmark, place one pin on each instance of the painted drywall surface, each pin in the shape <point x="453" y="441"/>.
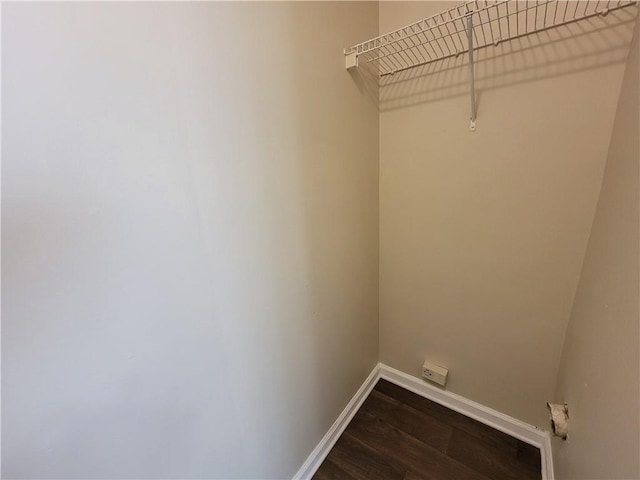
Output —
<point x="599" y="373"/>
<point x="190" y="236"/>
<point x="482" y="235"/>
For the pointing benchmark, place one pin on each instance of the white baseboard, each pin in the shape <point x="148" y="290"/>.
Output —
<point x="323" y="448"/>
<point x="509" y="425"/>
<point x="499" y="421"/>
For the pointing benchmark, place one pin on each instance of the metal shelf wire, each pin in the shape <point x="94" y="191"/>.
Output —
<point x="467" y="27"/>
<point x="445" y="34"/>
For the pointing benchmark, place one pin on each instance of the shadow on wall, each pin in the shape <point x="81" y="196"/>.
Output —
<point x="585" y="45"/>
<point x="366" y="79"/>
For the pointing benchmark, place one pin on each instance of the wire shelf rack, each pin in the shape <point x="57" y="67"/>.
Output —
<point x="470" y="26"/>
<point x="492" y="21"/>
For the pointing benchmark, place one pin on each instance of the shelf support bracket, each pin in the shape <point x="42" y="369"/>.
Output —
<point x="472" y="124"/>
<point x="351" y="59"/>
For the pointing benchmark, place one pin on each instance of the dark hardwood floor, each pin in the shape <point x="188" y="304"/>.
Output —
<point x="398" y="435"/>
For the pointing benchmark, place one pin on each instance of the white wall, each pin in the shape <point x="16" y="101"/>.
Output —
<point x="600" y="369"/>
<point x="482" y="235"/>
<point x="190" y="231"/>
<point x="189" y="236"/>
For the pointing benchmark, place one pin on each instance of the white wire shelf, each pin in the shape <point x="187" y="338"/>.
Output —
<point x="491" y="22"/>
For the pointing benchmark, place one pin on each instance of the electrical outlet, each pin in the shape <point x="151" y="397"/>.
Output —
<point x="435" y="373"/>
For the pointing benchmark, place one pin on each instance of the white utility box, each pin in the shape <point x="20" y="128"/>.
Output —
<point x="435" y="373"/>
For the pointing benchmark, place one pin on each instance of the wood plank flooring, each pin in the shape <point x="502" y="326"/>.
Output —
<point x="398" y="435"/>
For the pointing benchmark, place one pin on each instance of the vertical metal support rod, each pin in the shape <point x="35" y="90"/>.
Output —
<point x="472" y="124"/>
